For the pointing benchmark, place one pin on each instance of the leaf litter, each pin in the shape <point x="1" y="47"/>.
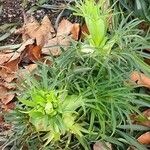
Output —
<point x="39" y="39"/>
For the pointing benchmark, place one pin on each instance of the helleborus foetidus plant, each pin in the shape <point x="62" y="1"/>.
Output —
<point x="53" y="112"/>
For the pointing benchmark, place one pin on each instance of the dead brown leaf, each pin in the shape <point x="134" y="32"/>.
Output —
<point x="30" y="68"/>
<point x="5" y="96"/>
<point x="22" y="48"/>
<point x="29" y="28"/>
<point x="40" y="32"/>
<point x="140" y="79"/>
<point x="45" y="32"/>
<point x="11" y="66"/>
<point x="34" y="53"/>
<point x="51" y="47"/>
<point x="144" y="138"/>
<point x="8" y="77"/>
<point x="8" y="107"/>
<point x="4" y="57"/>
<point x="65" y="29"/>
<point x="84" y="31"/>
<point x="7" y="85"/>
<point x="75" y="31"/>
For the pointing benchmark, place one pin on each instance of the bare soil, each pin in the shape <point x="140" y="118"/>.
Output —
<point x="12" y="12"/>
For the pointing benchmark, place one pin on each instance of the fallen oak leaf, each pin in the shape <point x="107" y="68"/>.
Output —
<point x="8" y="98"/>
<point x="30" y="67"/>
<point x="34" y="53"/>
<point x="7" y="71"/>
<point x="144" y="138"/>
<point x="8" y="77"/>
<point x="65" y="28"/>
<point x="45" y="32"/>
<point x="5" y="97"/>
<point x="8" y="107"/>
<point x="4" y="57"/>
<point x="39" y="32"/>
<point x="140" y="79"/>
<point x="12" y="66"/>
<point x="51" y="47"/>
<point x="29" y="28"/>
<point x="21" y="49"/>
<point x="75" y="31"/>
<point x="7" y="85"/>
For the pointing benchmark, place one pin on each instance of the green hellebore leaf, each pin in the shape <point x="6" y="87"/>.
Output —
<point x="71" y="103"/>
<point x="39" y="120"/>
<point x="68" y="120"/>
<point x="76" y="129"/>
<point x="38" y="99"/>
<point x="27" y="102"/>
<point x="49" y="108"/>
<point x="97" y="29"/>
<point x="51" y="96"/>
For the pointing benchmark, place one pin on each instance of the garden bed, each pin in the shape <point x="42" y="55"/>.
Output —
<point x="74" y="75"/>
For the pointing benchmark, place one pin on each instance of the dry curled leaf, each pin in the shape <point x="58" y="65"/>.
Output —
<point x="84" y="31"/>
<point x="65" y="29"/>
<point x="29" y="28"/>
<point x="8" y="107"/>
<point x="4" y="57"/>
<point x="144" y="138"/>
<point x="7" y="84"/>
<point x="22" y="48"/>
<point x="140" y="79"/>
<point x="34" y="53"/>
<point x="11" y="66"/>
<point x="5" y="96"/>
<point x="34" y="30"/>
<point x="8" y="77"/>
<point x="75" y="31"/>
<point x="44" y="32"/>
